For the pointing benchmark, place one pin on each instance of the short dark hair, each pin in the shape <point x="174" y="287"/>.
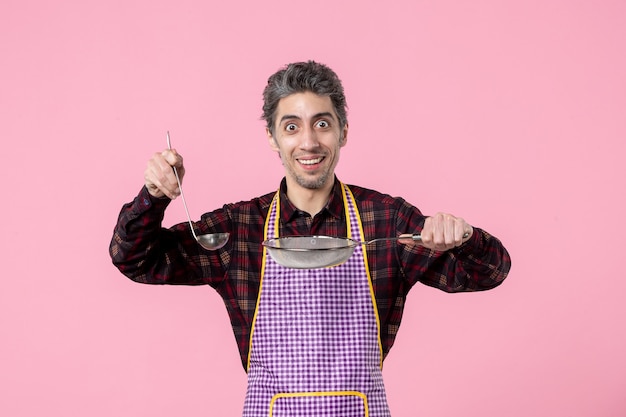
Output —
<point x="300" y="77"/>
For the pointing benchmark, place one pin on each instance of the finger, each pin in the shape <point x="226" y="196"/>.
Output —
<point x="438" y="231"/>
<point x="450" y="227"/>
<point x="455" y="231"/>
<point x="159" y="175"/>
<point x="462" y="231"/>
<point x="443" y="231"/>
<point x="466" y="232"/>
<point x="173" y="158"/>
<point x="433" y="235"/>
<point x="427" y="233"/>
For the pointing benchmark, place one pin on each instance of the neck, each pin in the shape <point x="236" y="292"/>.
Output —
<point x="308" y="200"/>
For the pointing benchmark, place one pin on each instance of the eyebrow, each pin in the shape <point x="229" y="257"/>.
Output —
<point x="315" y="116"/>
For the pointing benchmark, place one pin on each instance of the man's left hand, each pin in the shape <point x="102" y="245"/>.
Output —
<point x="443" y="231"/>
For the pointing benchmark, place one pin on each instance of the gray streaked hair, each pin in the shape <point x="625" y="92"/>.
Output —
<point x="301" y="77"/>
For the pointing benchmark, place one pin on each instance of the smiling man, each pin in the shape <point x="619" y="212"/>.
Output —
<point x="308" y="138"/>
<point x="311" y="340"/>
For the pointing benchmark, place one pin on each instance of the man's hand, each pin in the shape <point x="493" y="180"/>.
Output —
<point x="159" y="175"/>
<point x="444" y="231"/>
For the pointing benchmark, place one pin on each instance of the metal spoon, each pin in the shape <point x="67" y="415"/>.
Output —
<point x="209" y="241"/>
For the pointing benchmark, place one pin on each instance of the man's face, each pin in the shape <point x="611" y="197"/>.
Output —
<point x="307" y="136"/>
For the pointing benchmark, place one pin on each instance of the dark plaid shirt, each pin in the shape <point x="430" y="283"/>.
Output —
<point x="147" y="253"/>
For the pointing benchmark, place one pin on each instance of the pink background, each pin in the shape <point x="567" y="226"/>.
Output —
<point x="510" y="114"/>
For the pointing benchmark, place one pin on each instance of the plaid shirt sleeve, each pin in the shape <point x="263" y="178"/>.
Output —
<point x="479" y="264"/>
<point x="147" y="253"/>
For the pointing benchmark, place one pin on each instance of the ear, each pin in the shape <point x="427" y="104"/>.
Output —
<point x="344" y="137"/>
<point x="271" y="140"/>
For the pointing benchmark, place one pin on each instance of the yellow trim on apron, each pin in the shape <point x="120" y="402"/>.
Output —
<point x="276" y="201"/>
<point x="367" y="265"/>
<point x="362" y="396"/>
<point x="258" y="297"/>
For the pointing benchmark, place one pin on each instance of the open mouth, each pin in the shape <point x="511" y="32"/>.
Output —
<point x="311" y="161"/>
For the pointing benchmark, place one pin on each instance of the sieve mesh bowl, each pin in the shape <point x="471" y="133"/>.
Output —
<point x="310" y="252"/>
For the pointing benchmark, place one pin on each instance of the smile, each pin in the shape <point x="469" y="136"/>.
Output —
<point x="310" y="161"/>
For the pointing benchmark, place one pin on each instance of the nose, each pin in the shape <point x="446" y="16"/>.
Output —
<point x="309" y="139"/>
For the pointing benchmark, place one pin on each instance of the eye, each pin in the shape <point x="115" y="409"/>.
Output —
<point x="323" y="124"/>
<point x="291" y="127"/>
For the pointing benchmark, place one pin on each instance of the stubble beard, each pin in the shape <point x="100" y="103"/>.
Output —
<point x="312" y="183"/>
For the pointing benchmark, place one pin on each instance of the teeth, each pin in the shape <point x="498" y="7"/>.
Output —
<point x="310" y="161"/>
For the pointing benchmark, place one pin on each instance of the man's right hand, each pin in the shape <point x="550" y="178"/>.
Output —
<point x="159" y="175"/>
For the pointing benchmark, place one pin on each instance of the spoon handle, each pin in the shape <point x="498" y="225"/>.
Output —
<point x="415" y="237"/>
<point x="418" y="237"/>
<point x="180" y="187"/>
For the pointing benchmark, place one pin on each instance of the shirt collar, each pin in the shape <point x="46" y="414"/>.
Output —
<point x="334" y="207"/>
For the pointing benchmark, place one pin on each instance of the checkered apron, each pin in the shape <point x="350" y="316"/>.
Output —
<point x="315" y="347"/>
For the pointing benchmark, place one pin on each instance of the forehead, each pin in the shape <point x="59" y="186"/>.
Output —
<point x="304" y="106"/>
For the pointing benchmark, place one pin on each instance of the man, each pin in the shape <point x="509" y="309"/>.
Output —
<point x="312" y="340"/>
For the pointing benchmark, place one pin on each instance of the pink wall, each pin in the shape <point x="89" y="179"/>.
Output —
<point x="508" y="113"/>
